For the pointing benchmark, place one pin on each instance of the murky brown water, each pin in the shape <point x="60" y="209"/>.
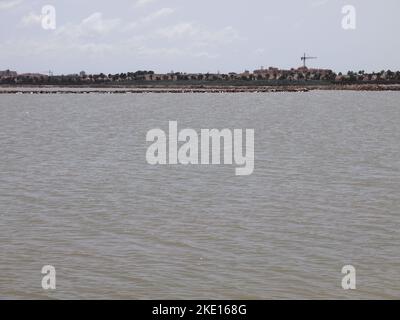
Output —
<point x="77" y="193"/>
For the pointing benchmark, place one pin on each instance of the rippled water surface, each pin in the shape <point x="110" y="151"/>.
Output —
<point x="76" y="193"/>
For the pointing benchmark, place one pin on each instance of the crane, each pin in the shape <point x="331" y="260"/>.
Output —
<point x="305" y="58"/>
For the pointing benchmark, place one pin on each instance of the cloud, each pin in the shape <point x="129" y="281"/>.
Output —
<point x="259" y="51"/>
<point x="9" y="4"/>
<point x="205" y="54"/>
<point x="31" y="19"/>
<point x="97" y="24"/>
<point x="319" y="3"/>
<point x="100" y="37"/>
<point x="158" y="14"/>
<point x="201" y="35"/>
<point x="148" y="19"/>
<point x="184" y="29"/>
<point x="142" y="3"/>
<point x="93" y="25"/>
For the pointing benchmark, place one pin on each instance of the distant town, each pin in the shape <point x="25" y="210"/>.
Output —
<point x="262" y="76"/>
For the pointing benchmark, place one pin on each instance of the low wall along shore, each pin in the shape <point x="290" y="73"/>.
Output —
<point x="191" y="89"/>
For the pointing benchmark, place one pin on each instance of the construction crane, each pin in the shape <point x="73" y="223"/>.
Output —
<point x="305" y="58"/>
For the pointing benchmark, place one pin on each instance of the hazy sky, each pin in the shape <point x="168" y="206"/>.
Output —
<point x="197" y="36"/>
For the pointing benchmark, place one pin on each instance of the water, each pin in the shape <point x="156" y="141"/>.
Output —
<point x="77" y="193"/>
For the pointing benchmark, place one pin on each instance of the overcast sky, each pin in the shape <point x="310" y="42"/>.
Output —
<point x="197" y="36"/>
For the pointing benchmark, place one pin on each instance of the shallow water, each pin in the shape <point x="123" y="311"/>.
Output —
<point x="76" y="193"/>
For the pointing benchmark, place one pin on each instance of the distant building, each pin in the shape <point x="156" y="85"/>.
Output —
<point x="8" y="74"/>
<point x="273" y="73"/>
<point x="34" y="75"/>
<point x="266" y="71"/>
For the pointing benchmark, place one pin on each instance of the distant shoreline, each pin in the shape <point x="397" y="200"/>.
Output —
<point x="79" y="89"/>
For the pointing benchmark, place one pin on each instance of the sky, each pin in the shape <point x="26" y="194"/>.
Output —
<point x="197" y="36"/>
